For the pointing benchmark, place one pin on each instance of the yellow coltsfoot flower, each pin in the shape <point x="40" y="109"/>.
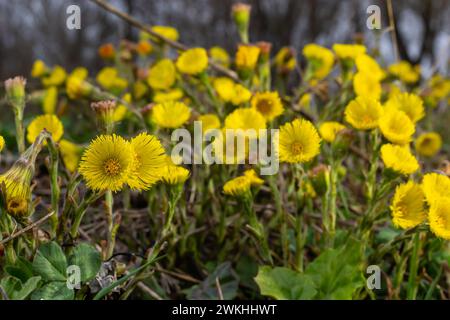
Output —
<point x="329" y="129"/>
<point x="348" y="51"/>
<point x="70" y="153"/>
<point x="247" y="57"/>
<point x="367" y="85"/>
<point x="407" y="206"/>
<point x="439" y="217"/>
<point x="435" y="186"/>
<point x="209" y="121"/>
<point x="106" y="163"/>
<point x="409" y="103"/>
<point x="149" y="159"/>
<point x="363" y="113"/>
<point x="2" y="143"/>
<point x="245" y="118"/>
<point x="172" y="174"/>
<point x="398" y="159"/>
<point x="320" y="60"/>
<point x="162" y="75"/>
<point x="49" y="122"/>
<point x="170" y="114"/>
<point x="298" y="141"/>
<point x="428" y="144"/>
<point x="193" y="61"/>
<point x="268" y="104"/>
<point x="396" y="126"/>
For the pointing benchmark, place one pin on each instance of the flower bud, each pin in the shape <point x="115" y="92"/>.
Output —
<point x="105" y="114"/>
<point x="320" y="178"/>
<point x="241" y="17"/>
<point x="15" y="91"/>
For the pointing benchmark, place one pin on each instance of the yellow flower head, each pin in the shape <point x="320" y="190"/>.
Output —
<point x="50" y="100"/>
<point x="329" y="129"/>
<point x="428" y="144"/>
<point x="220" y="56"/>
<point x="209" y="121"/>
<point x="366" y="85"/>
<point x="245" y="118"/>
<point x="268" y="104"/>
<point x="170" y="114"/>
<point x="241" y="95"/>
<point x="224" y="87"/>
<point x="173" y="174"/>
<point x="398" y="159"/>
<point x="439" y="217"/>
<point x="149" y="159"/>
<point x="49" y="122"/>
<point x="193" y="61"/>
<point x="407" y="206"/>
<point x="298" y="141"/>
<point x="241" y="185"/>
<point x="396" y="126"/>
<point x="285" y="60"/>
<point x="109" y="79"/>
<point x="2" y="143"/>
<point x="368" y="65"/>
<point x="320" y="60"/>
<point x="17" y="181"/>
<point x="247" y="57"/>
<point x="162" y="75"/>
<point x="77" y="87"/>
<point x="70" y="153"/>
<point x="167" y="32"/>
<point x="404" y="71"/>
<point x="56" y="77"/>
<point x="435" y="186"/>
<point x="253" y="177"/>
<point x="348" y="51"/>
<point x="238" y="186"/>
<point x="174" y="94"/>
<point x="363" y="113"/>
<point x="106" y="163"/>
<point x="39" y="69"/>
<point x="409" y="103"/>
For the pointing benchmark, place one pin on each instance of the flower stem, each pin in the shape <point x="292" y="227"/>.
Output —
<point x="413" y="268"/>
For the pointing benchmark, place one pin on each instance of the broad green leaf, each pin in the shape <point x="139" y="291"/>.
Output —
<point x="50" y="262"/>
<point x="285" y="284"/>
<point x="22" y="269"/>
<point x="15" y="290"/>
<point x="53" y="291"/>
<point x="88" y="259"/>
<point x="337" y="272"/>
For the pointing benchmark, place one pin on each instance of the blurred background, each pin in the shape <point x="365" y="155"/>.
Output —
<point x="37" y="29"/>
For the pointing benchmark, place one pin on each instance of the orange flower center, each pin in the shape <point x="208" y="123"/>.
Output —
<point x="296" y="148"/>
<point x="112" y="167"/>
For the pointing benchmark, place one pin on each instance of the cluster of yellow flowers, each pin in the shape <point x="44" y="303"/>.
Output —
<point x="110" y="162"/>
<point x="351" y="138"/>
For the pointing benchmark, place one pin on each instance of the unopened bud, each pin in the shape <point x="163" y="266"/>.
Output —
<point x="320" y="178"/>
<point x="241" y="17"/>
<point x="105" y="114"/>
<point x="15" y="90"/>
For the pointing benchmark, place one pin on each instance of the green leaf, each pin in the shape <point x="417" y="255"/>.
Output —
<point x="87" y="259"/>
<point x="50" y="262"/>
<point x="337" y="273"/>
<point x="15" y="290"/>
<point x="22" y="269"/>
<point x="53" y="291"/>
<point x="285" y="284"/>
